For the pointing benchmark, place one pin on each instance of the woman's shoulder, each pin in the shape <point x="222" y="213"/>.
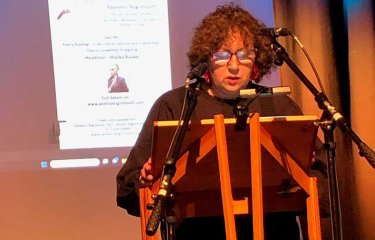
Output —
<point x="279" y="105"/>
<point x="169" y="104"/>
<point x="172" y="97"/>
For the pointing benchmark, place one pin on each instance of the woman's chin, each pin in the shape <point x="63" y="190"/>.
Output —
<point x="230" y="93"/>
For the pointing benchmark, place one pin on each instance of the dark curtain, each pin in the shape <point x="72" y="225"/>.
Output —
<point x="339" y="37"/>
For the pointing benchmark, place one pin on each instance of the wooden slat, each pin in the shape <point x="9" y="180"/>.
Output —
<point x="226" y="187"/>
<point x="256" y="177"/>
<point x="313" y="215"/>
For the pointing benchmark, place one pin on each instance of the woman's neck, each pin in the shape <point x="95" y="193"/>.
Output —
<point x="224" y="96"/>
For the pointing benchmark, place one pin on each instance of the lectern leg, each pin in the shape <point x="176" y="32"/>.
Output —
<point x="256" y="177"/>
<point x="313" y="216"/>
<point x="225" y="183"/>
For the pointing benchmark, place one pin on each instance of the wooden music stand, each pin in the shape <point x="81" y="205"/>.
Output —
<point x="280" y="149"/>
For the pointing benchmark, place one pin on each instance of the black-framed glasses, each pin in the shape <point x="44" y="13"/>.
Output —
<point x="244" y="56"/>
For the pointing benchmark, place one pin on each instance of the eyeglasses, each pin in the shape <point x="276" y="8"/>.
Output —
<point x="244" y="56"/>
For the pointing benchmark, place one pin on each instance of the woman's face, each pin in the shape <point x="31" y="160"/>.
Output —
<point x="230" y="76"/>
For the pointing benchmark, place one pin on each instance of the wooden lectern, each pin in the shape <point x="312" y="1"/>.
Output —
<point x="260" y="169"/>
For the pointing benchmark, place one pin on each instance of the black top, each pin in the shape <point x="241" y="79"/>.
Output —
<point x="168" y="107"/>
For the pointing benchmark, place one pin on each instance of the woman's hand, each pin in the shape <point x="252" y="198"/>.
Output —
<point x="146" y="176"/>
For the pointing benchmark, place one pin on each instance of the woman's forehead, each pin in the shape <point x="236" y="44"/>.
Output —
<point x="234" y="35"/>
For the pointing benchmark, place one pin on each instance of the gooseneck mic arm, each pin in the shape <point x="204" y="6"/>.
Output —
<point x="325" y="105"/>
<point x="334" y="119"/>
<point x="163" y="201"/>
<point x="163" y="198"/>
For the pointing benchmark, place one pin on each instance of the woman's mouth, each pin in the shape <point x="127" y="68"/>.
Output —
<point x="233" y="80"/>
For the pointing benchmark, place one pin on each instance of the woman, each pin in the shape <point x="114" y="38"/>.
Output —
<point x="227" y="40"/>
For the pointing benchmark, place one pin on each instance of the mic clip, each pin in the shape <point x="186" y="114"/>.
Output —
<point x="264" y="91"/>
<point x="241" y="113"/>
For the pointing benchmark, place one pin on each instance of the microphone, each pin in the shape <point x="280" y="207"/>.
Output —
<point x="198" y="71"/>
<point x="274" y="32"/>
<point x="264" y="91"/>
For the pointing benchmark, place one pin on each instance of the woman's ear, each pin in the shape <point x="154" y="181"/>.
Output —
<point x="207" y="77"/>
<point x="254" y="73"/>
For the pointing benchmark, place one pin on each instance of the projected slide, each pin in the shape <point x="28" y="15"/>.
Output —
<point x="111" y="61"/>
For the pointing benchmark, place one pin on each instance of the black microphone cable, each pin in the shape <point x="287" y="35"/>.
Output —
<point x="285" y="32"/>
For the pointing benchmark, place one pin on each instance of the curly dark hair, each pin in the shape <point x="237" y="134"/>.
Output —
<point x="213" y="30"/>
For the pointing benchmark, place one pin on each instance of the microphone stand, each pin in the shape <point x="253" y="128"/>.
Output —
<point x="337" y="120"/>
<point x="162" y="209"/>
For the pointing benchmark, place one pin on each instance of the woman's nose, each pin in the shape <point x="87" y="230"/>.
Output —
<point x="233" y="65"/>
